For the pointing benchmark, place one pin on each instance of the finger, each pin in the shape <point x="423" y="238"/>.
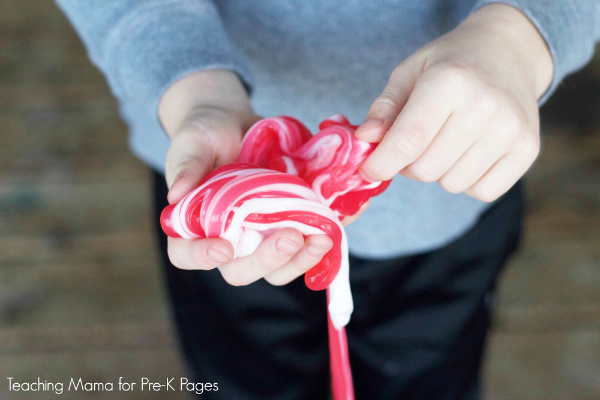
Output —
<point x="315" y="247"/>
<point x="424" y="114"/>
<point x="448" y="146"/>
<point x="201" y="254"/>
<point x="273" y="253"/>
<point x="209" y="137"/>
<point x="386" y="107"/>
<point x="476" y="161"/>
<point x="352" y="218"/>
<point x="506" y="172"/>
<point x="189" y="165"/>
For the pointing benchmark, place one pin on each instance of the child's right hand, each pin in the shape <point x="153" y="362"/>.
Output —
<point x="206" y="115"/>
<point x="462" y="111"/>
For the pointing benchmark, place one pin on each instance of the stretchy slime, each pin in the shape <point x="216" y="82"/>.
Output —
<point x="285" y="177"/>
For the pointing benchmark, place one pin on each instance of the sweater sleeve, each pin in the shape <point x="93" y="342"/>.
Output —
<point x="143" y="47"/>
<point x="570" y="28"/>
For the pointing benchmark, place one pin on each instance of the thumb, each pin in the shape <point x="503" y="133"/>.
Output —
<point x="188" y="161"/>
<point x="386" y="107"/>
<point x="209" y="139"/>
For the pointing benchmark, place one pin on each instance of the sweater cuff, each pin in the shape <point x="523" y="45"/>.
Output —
<point x="566" y="27"/>
<point x="150" y="48"/>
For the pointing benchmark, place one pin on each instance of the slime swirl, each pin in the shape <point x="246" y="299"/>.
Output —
<point x="285" y="177"/>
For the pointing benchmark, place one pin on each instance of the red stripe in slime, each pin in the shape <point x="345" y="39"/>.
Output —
<point x="285" y="177"/>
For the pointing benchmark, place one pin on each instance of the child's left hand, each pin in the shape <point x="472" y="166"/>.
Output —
<point x="463" y="111"/>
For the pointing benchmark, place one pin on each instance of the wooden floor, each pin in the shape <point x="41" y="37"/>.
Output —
<point x="80" y="289"/>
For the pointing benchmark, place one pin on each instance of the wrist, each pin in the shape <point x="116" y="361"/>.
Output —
<point x="527" y="45"/>
<point x="210" y="88"/>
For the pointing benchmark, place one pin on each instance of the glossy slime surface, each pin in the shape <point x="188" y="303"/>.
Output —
<point x="285" y="177"/>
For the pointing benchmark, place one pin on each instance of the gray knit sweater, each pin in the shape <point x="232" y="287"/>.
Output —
<point x="308" y="59"/>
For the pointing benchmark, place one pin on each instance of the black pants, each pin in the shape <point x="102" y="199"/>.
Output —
<point x="418" y="330"/>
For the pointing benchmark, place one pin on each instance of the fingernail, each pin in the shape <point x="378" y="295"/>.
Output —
<point x="216" y="256"/>
<point x="317" y="250"/>
<point x="370" y="124"/>
<point x="287" y="247"/>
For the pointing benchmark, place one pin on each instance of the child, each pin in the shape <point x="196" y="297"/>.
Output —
<point x="460" y="108"/>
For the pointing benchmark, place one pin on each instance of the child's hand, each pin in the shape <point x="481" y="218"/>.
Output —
<point x="206" y="115"/>
<point x="463" y="111"/>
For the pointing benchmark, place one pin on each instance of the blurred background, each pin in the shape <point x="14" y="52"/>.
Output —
<point x="80" y="288"/>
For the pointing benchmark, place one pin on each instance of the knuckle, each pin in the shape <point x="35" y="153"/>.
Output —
<point x="454" y="75"/>
<point x="406" y="143"/>
<point x="513" y="123"/>
<point x="388" y="97"/>
<point x="490" y="103"/>
<point x="484" y="194"/>
<point x="177" y="163"/>
<point x="201" y="121"/>
<point x="380" y="171"/>
<point x="232" y="278"/>
<point x="529" y="148"/>
<point x="268" y="265"/>
<point x="451" y="185"/>
<point x="425" y="171"/>
<point x="525" y="152"/>
<point x="186" y="134"/>
<point x="188" y="162"/>
<point x="385" y="102"/>
<point x="276" y="281"/>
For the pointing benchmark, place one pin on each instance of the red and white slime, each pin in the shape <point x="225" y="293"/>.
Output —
<point x="285" y="177"/>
